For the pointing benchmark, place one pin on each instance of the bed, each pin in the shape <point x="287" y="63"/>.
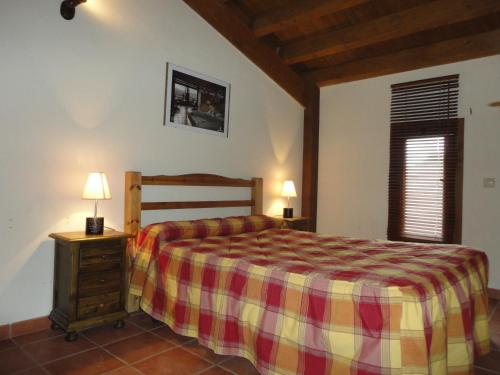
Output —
<point x="305" y="303"/>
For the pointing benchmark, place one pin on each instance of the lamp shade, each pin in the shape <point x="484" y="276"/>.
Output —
<point x="96" y="187"/>
<point x="288" y="189"/>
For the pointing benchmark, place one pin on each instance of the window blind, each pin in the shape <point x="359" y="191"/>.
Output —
<point x="425" y="176"/>
<point x="430" y="99"/>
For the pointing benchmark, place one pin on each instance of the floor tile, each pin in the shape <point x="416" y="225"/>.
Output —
<point x="495" y="308"/>
<point x="480" y="371"/>
<point x="6" y="344"/>
<point x="37" y="336"/>
<point x="57" y="347"/>
<point x="216" y="370"/>
<point x="107" y="334"/>
<point x="495" y="320"/>
<point x="490" y="361"/>
<point x="124" y="371"/>
<point x="204" y="352"/>
<point x="495" y="340"/>
<point x="167" y="333"/>
<point x="92" y="362"/>
<point x="492" y="302"/>
<point x="241" y="366"/>
<point x="492" y="306"/>
<point x="14" y="359"/>
<point x="136" y="348"/>
<point x="32" y="371"/>
<point x="173" y="362"/>
<point x="144" y="321"/>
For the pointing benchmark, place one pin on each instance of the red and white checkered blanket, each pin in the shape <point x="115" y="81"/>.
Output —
<point x="302" y="303"/>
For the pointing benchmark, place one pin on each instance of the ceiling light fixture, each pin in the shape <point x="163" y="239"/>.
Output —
<point x="68" y="8"/>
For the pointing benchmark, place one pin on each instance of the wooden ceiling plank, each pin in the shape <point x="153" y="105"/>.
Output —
<point x="223" y="19"/>
<point x="297" y="12"/>
<point x="445" y="52"/>
<point x="397" y="25"/>
<point x="457" y="30"/>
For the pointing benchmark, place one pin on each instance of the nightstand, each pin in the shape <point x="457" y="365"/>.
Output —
<point x="89" y="281"/>
<point x="298" y="223"/>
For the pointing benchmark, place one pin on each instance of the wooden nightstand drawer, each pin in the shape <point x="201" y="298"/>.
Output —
<point x="98" y="305"/>
<point x="96" y="283"/>
<point x="100" y="259"/>
<point x="102" y="244"/>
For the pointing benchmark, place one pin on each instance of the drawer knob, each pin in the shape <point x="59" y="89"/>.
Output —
<point x="101" y="305"/>
<point x="103" y="256"/>
<point x="102" y="281"/>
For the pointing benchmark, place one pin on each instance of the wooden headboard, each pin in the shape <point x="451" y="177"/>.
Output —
<point x="134" y="204"/>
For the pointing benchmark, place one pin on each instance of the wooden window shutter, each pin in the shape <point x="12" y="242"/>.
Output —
<point x="426" y="157"/>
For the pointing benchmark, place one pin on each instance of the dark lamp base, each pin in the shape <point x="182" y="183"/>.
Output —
<point x="288" y="213"/>
<point x="94" y="225"/>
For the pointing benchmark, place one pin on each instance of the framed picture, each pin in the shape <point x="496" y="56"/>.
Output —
<point x="195" y="101"/>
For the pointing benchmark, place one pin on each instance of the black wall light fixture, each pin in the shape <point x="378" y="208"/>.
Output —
<point x="68" y="8"/>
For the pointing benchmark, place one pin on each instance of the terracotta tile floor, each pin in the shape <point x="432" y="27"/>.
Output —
<point x="144" y="347"/>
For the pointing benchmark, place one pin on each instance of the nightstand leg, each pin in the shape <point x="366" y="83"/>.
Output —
<point x="71" y="336"/>
<point x="119" y="324"/>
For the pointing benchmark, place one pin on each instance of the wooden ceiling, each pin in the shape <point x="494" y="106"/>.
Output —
<point x="333" y="41"/>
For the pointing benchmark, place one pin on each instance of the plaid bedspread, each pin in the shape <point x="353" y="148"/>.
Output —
<point x="301" y="303"/>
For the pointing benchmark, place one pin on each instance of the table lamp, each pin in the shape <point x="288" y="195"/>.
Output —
<point x="289" y="192"/>
<point x="96" y="188"/>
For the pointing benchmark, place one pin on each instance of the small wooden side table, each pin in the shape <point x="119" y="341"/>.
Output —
<point x="89" y="281"/>
<point x="298" y="223"/>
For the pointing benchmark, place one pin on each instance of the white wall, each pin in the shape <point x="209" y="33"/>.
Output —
<point x="87" y="94"/>
<point x="354" y="155"/>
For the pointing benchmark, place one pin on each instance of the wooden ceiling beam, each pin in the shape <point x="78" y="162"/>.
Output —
<point x="223" y="19"/>
<point x="397" y="25"/>
<point x="298" y="12"/>
<point x="445" y="52"/>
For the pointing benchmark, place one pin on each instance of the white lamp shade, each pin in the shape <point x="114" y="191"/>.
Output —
<point x="96" y="187"/>
<point x="288" y="189"/>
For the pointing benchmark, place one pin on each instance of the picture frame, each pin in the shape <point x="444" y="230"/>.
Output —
<point x="195" y="101"/>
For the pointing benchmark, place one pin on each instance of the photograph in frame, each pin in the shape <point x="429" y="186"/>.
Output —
<point x="195" y="101"/>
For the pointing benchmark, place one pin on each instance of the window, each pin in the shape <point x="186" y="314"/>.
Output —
<point x="423" y="193"/>
<point x="425" y="176"/>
